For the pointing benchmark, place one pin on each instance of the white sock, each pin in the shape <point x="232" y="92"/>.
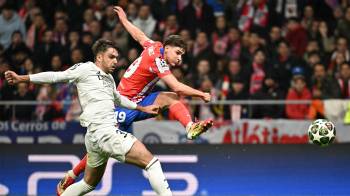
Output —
<point x="156" y="178"/>
<point x="79" y="188"/>
<point x="71" y="174"/>
<point x="188" y="126"/>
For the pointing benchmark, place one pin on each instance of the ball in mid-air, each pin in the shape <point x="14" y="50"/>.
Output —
<point x="321" y="132"/>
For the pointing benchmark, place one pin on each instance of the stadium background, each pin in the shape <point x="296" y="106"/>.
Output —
<point x="271" y="66"/>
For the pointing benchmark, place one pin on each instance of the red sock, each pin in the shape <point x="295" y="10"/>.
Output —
<point x="179" y="112"/>
<point x="80" y="167"/>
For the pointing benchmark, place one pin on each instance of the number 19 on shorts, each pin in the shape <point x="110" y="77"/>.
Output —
<point x="120" y="116"/>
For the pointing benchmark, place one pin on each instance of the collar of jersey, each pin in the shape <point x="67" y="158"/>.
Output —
<point x="162" y="52"/>
<point x="103" y="73"/>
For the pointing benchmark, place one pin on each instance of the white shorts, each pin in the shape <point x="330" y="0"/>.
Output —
<point x="103" y="142"/>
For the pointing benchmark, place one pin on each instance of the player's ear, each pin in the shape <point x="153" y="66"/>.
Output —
<point x="99" y="57"/>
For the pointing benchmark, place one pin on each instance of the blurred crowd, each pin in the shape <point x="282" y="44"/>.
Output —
<point x="236" y="49"/>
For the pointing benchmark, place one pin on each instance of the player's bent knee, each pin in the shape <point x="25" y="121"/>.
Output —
<point x="167" y="98"/>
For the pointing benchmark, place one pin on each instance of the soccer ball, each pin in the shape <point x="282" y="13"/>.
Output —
<point x="321" y="132"/>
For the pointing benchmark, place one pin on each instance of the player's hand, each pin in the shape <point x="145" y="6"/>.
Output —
<point x="120" y="12"/>
<point x="206" y="97"/>
<point x="150" y="109"/>
<point x="12" y="78"/>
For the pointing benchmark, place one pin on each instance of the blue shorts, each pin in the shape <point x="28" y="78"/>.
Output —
<point x="126" y="117"/>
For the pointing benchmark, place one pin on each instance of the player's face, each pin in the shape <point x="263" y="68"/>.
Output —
<point x="173" y="55"/>
<point x="110" y="60"/>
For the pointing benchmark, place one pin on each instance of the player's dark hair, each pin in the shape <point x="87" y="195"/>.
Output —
<point x="175" y="40"/>
<point x="102" y="45"/>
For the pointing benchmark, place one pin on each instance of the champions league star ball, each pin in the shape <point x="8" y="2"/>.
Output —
<point x="321" y="132"/>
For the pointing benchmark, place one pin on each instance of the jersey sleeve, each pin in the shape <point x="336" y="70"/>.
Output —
<point x="70" y="75"/>
<point x="123" y="101"/>
<point x="148" y="43"/>
<point x="161" y="67"/>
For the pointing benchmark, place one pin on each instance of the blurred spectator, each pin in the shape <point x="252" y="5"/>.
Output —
<point x="202" y="50"/>
<point x="280" y="10"/>
<point x="56" y="63"/>
<point x="234" y="43"/>
<point x="44" y="51"/>
<point x="313" y="32"/>
<point x="313" y="58"/>
<point x="297" y="37"/>
<point x="169" y="27"/>
<point x="98" y="6"/>
<point x="233" y="72"/>
<point x="251" y="43"/>
<point x="202" y="71"/>
<point x="106" y="35"/>
<point x="132" y="11"/>
<point x="121" y="37"/>
<point x="145" y="21"/>
<point x="312" y="46"/>
<point x="161" y="9"/>
<point x="73" y="41"/>
<point x="308" y="17"/>
<point x="95" y="30"/>
<point x="54" y="112"/>
<point x="24" y="11"/>
<point x="335" y="64"/>
<point x="197" y="17"/>
<point x="17" y="51"/>
<point x="325" y="35"/>
<point x="258" y="72"/>
<point x="179" y="74"/>
<point x="342" y="48"/>
<point x="133" y="54"/>
<point x="323" y="86"/>
<point x="254" y="13"/>
<point x="283" y="64"/>
<point x="236" y="92"/>
<point x="204" y="111"/>
<point x="219" y="37"/>
<point x="87" y="39"/>
<point x="343" y="27"/>
<point x="298" y="91"/>
<point x="269" y="91"/>
<point x="187" y="57"/>
<point x="88" y="18"/>
<point x="60" y="31"/>
<point x="76" y="9"/>
<point x="28" y="68"/>
<point x="10" y="22"/>
<point x="36" y="31"/>
<point x="344" y="80"/>
<point x="109" y="20"/>
<point x="28" y="17"/>
<point x="77" y="56"/>
<point x="275" y="36"/>
<point x="23" y="112"/>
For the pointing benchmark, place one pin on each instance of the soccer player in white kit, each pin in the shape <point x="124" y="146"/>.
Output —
<point x="98" y="96"/>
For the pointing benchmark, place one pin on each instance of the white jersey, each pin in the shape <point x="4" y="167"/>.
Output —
<point x="96" y="90"/>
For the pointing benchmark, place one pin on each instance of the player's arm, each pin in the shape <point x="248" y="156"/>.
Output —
<point x="135" y="32"/>
<point x="183" y="89"/>
<point x="126" y="103"/>
<point x="45" y="77"/>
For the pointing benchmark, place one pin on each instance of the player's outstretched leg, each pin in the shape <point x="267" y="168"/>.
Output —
<point x="178" y="111"/>
<point x="141" y="157"/>
<point x="92" y="177"/>
<point x="70" y="176"/>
